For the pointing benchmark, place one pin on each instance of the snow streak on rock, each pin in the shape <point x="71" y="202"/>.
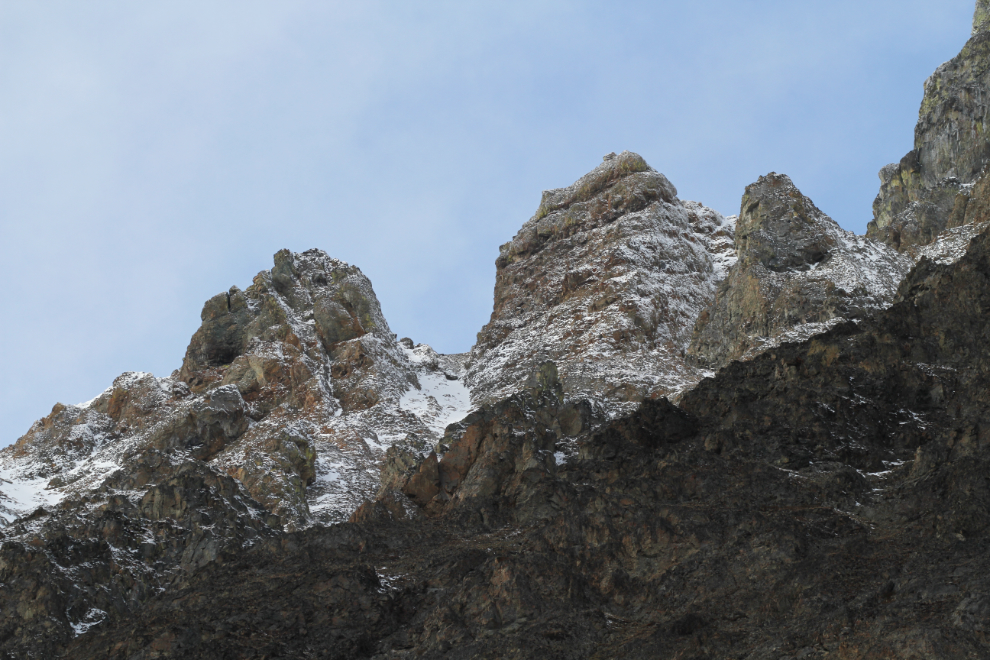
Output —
<point x="606" y="280"/>
<point x="295" y="387"/>
<point x="952" y="243"/>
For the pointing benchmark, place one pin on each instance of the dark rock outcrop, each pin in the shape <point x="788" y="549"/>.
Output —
<point x="922" y="194"/>
<point x="797" y="272"/>
<point x="824" y="499"/>
<point x="272" y="424"/>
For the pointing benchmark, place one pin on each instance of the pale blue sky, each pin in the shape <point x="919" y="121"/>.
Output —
<point x="154" y="154"/>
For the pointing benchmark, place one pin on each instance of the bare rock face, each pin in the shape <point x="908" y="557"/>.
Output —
<point x="797" y="272"/>
<point x="823" y="494"/>
<point x="294" y="386"/>
<point x="606" y="280"/>
<point x="824" y="499"/>
<point x="290" y="394"/>
<point x="981" y="17"/>
<point x="926" y="192"/>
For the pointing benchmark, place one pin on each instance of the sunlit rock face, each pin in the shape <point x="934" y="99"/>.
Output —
<point x="927" y="191"/>
<point x="290" y="394"/>
<point x="606" y="280"/>
<point x="295" y="386"/>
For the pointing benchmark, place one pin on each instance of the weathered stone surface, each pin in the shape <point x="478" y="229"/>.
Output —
<point x="951" y="149"/>
<point x="278" y="419"/>
<point x="610" y="272"/>
<point x="782" y="229"/>
<point x="797" y="271"/>
<point x="67" y="570"/>
<point x="981" y="17"/>
<point x="825" y="499"/>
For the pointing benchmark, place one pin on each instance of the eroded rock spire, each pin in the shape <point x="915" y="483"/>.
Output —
<point x="981" y="17"/>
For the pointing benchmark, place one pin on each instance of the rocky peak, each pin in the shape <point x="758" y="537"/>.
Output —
<point x="609" y="272"/>
<point x="781" y="228"/>
<point x="921" y="195"/>
<point x="309" y="301"/>
<point x="798" y="272"/>
<point x="295" y="387"/>
<point x="823" y="496"/>
<point x="981" y="16"/>
<point x="290" y="395"/>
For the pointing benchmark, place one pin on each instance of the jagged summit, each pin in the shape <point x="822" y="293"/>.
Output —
<point x="679" y="435"/>
<point x="295" y="386"/>
<point x="927" y="191"/>
<point x="981" y="17"/>
<point x="319" y="299"/>
<point x="798" y="271"/>
<point x="606" y="280"/>
<point x="781" y="228"/>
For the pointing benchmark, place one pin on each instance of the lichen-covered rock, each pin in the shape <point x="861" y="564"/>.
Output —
<point x="610" y="272"/>
<point x="797" y="272"/>
<point x="951" y="148"/>
<point x="981" y="16"/>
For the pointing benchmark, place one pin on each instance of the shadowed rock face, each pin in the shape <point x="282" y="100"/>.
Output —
<point x="289" y="395"/>
<point x="797" y="272"/>
<point x="825" y="496"/>
<point x="926" y="192"/>
<point x="782" y="229"/>
<point x="609" y="273"/>
<point x="825" y="499"/>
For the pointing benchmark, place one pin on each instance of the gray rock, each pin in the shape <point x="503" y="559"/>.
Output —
<point x="919" y="195"/>
<point x="605" y="280"/>
<point x="797" y="272"/>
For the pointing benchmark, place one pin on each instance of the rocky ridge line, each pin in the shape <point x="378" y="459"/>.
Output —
<point x="308" y="382"/>
<point x="824" y="499"/>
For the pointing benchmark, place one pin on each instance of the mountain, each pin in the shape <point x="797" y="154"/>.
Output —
<point x="927" y="191"/>
<point x="606" y="280"/>
<point x="797" y="273"/>
<point x="679" y="435"/>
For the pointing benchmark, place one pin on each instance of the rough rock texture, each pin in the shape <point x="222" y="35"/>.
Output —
<point x="797" y="272"/>
<point x="606" y="280"/>
<point x="920" y="195"/>
<point x="295" y="387"/>
<point x="827" y="499"/>
<point x="981" y="17"/>
<point x="290" y="394"/>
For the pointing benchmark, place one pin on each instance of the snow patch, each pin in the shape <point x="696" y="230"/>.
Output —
<point x="441" y="398"/>
<point x="93" y="617"/>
